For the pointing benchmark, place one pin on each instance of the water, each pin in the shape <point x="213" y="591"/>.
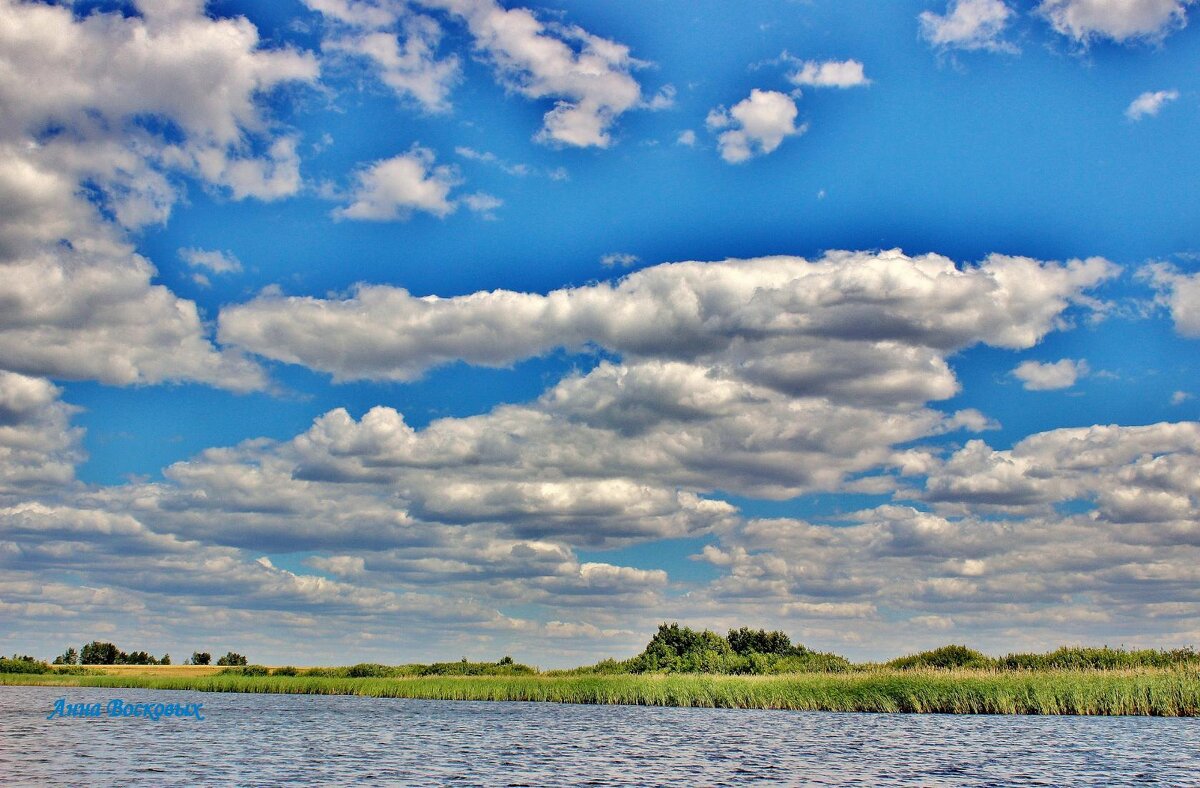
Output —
<point x="276" y="739"/>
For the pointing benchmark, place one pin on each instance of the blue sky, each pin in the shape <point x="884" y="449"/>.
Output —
<point x="933" y="375"/>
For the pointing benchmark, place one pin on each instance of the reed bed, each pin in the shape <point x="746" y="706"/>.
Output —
<point x="1156" y="692"/>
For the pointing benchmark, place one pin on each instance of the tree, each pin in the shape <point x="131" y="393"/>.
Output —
<point x="201" y="658"/>
<point x="99" y="653"/>
<point x="70" y="657"/>
<point x="166" y="660"/>
<point x="230" y="658"/>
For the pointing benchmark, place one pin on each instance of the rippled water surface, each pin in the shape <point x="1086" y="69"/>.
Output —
<point x="275" y="739"/>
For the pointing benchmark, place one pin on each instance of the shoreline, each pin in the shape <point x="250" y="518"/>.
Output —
<point x="1142" y="692"/>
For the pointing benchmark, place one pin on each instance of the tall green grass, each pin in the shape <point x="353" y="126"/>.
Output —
<point x="1159" y="692"/>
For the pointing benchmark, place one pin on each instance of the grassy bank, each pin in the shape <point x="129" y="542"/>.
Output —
<point x="1159" y="692"/>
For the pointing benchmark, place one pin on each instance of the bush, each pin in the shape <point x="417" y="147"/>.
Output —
<point x="23" y="664"/>
<point x="365" y="670"/>
<point x="945" y="658"/>
<point x="287" y="670"/>
<point x="464" y="668"/>
<point x="809" y="662"/>
<point x="245" y="670"/>
<point x="201" y="658"/>
<point x="74" y="670"/>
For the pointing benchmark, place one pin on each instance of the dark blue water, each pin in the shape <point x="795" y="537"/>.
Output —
<point x="277" y="739"/>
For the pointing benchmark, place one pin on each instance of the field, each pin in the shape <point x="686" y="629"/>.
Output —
<point x="157" y="670"/>
<point x="1161" y="692"/>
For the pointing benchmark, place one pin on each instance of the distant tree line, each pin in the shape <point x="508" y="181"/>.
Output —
<point x="672" y="649"/>
<point x="102" y="653"/>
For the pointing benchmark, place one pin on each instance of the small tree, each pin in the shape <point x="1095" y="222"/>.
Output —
<point x="166" y="660"/>
<point x="201" y="658"/>
<point x="230" y="658"/>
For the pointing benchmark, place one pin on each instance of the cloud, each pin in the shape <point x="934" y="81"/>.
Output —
<point x="755" y="125"/>
<point x="483" y="203"/>
<point x="79" y="315"/>
<point x="38" y="447"/>
<point x="621" y="259"/>
<point x="1149" y="103"/>
<point x="969" y="25"/>
<point x="215" y="261"/>
<point x="663" y="99"/>
<point x="1036" y="376"/>
<point x="1132" y="474"/>
<point x="1179" y="292"/>
<point x="779" y="317"/>
<point x="687" y="138"/>
<point x="1180" y="397"/>
<point x="406" y="60"/>
<point x="487" y="157"/>
<point x="1120" y="21"/>
<point x="391" y="189"/>
<point x="81" y="303"/>
<point x="830" y="74"/>
<point x="587" y="76"/>
<point x="753" y="377"/>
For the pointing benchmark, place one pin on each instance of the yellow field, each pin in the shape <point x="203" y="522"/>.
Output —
<point x="156" y="670"/>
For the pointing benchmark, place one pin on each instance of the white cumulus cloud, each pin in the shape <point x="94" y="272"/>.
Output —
<point x="1037" y="376"/>
<point x="391" y="189"/>
<point x="968" y="24"/>
<point x="1150" y="103"/>
<point x="212" y="260"/>
<point x="1118" y="20"/>
<point x="79" y="302"/>
<point x="1179" y="293"/>
<point x="754" y="126"/>
<point x="830" y="74"/>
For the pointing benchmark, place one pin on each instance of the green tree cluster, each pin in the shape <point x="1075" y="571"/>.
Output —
<point x="102" y="653"/>
<point x="679" y="649"/>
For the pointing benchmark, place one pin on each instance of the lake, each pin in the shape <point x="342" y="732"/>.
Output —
<point x="339" y="740"/>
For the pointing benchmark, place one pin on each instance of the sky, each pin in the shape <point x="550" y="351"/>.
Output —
<point x="406" y="330"/>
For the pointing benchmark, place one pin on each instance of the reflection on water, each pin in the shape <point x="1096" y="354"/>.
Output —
<point x="273" y="739"/>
